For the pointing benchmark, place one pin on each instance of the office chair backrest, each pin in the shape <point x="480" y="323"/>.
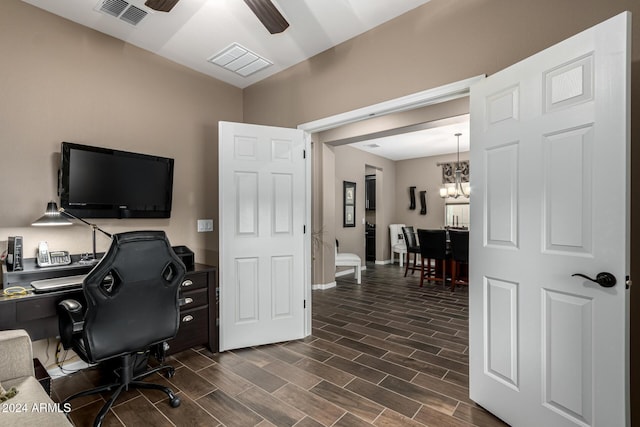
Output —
<point x="410" y="238"/>
<point x="459" y="245"/>
<point x="132" y="295"/>
<point x="433" y="244"/>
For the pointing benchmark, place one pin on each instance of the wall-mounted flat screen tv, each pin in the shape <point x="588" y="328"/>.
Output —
<point x="97" y="182"/>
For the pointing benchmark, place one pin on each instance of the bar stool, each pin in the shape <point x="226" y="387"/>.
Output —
<point x="433" y="246"/>
<point x="459" y="255"/>
<point x="412" y="248"/>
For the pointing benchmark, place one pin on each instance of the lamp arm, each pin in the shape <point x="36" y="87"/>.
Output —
<point x="93" y="226"/>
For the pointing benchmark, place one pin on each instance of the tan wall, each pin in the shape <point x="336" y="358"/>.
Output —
<point x="60" y="81"/>
<point x="351" y="165"/>
<point x="438" y="43"/>
<point x="426" y="175"/>
<point x="323" y="213"/>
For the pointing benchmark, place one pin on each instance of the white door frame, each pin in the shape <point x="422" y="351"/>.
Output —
<point x="433" y="96"/>
<point x="439" y="94"/>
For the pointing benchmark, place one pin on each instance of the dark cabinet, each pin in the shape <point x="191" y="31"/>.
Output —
<point x="198" y="311"/>
<point x="370" y="192"/>
<point x="370" y="247"/>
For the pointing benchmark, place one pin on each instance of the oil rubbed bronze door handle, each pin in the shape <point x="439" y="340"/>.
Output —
<point x="606" y="280"/>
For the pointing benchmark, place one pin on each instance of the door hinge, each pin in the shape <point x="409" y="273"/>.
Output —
<point x="304" y="229"/>
<point x="628" y="282"/>
<point x="304" y="303"/>
<point x="304" y="154"/>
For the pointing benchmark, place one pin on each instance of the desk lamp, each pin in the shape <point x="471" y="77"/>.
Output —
<point x="55" y="216"/>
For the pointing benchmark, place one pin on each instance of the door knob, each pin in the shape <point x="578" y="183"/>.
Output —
<point x="606" y="280"/>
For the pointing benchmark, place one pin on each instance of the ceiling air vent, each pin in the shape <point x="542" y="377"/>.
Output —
<point x="122" y="10"/>
<point x="240" y="60"/>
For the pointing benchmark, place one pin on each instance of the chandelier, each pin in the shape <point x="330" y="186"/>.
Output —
<point x="458" y="188"/>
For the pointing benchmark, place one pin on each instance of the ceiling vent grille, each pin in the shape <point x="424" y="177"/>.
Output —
<point x="122" y="10"/>
<point x="239" y="60"/>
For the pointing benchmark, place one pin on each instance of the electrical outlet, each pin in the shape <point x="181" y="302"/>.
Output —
<point x="205" y="225"/>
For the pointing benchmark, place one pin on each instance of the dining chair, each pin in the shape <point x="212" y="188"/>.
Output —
<point x="397" y="243"/>
<point x="412" y="248"/>
<point x="433" y="246"/>
<point x="459" y="243"/>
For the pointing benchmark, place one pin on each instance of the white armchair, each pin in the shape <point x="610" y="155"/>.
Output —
<point x="398" y="245"/>
<point x="344" y="259"/>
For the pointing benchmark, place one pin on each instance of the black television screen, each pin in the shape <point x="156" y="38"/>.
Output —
<point x="99" y="182"/>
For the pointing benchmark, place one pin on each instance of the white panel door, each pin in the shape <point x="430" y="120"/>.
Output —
<point x="550" y="174"/>
<point x="262" y="214"/>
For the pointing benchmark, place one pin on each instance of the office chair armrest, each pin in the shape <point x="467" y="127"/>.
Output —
<point x="70" y="321"/>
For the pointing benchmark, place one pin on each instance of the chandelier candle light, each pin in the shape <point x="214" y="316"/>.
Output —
<point x="458" y="189"/>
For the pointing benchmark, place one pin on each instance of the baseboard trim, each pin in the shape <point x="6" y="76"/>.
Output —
<point x="323" y="286"/>
<point x="349" y="271"/>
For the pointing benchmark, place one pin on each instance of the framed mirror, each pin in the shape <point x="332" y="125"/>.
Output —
<point x="456" y="215"/>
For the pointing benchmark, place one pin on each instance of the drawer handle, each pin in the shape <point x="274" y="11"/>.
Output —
<point x="187" y="318"/>
<point x="188" y="300"/>
<point x="187" y="283"/>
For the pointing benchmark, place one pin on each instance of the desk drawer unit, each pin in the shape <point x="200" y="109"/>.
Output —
<point x="194" y="313"/>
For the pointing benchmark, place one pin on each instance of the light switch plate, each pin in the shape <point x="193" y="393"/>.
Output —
<point x="205" y="225"/>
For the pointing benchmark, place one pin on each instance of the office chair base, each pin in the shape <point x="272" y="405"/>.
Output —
<point x="134" y="382"/>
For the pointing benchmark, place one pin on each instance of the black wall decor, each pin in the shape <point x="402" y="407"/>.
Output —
<point x="423" y="202"/>
<point x="412" y="198"/>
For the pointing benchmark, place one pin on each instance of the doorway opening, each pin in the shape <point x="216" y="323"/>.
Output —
<point x="324" y="209"/>
<point x="418" y="162"/>
<point x="370" y="191"/>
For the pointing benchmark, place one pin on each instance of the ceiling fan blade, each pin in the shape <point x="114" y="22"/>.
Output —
<point x="161" y="5"/>
<point x="269" y="15"/>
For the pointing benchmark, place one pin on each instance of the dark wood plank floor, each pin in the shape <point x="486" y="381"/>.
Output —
<point x="385" y="353"/>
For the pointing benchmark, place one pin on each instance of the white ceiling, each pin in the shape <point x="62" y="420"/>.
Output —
<point x="195" y="30"/>
<point x="434" y="139"/>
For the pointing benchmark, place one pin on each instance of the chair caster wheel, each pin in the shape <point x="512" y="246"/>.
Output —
<point x="170" y="373"/>
<point x="175" y="402"/>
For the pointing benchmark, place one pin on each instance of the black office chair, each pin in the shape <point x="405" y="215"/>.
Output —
<point x="459" y="255"/>
<point x="132" y="307"/>
<point x="433" y="246"/>
<point x="412" y="248"/>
